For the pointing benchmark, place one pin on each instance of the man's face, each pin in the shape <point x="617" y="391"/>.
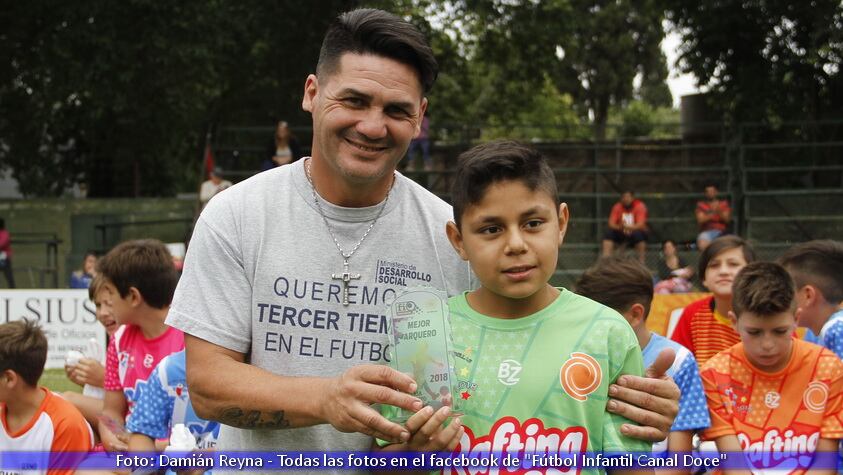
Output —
<point x="512" y="238"/>
<point x="767" y="341"/>
<point x="105" y="314"/>
<point x="721" y="271"/>
<point x="364" y="116"/>
<point x="711" y="192"/>
<point x="627" y="198"/>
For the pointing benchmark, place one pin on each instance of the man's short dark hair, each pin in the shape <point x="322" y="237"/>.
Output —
<point x="618" y="283"/>
<point x="23" y="349"/>
<point x="497" y="161"/>
<point x="722" y="244"/>
<point x="818" y="263"/>
<point x="144" y="264"/>
<point x="370" y="31"/>
<point x="764" y="289"/>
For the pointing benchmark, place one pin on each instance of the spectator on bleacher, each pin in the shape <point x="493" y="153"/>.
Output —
<point x="213" y="185"/>
<point x="713" y="217"/>
<point x="705" y="327"/>
<point x="674" y="275"/>
<point x="283" y="149"/>
<point x="421" y="142"/>
<point x="627" y="225"/>
<point x="81" y="278"/>
<point x="6" y="254"/>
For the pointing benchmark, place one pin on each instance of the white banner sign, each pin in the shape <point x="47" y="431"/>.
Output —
<point x="67" y="317"/>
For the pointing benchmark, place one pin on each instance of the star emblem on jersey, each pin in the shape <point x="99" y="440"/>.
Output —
<point x="580" y="376"/>
<point x="815" y="396"/>
<point x="465" y="395"/>
<point x="464" y="372"/>
<point x="772" y="399"/>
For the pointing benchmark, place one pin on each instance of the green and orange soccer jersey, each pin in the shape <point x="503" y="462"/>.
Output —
<point x="779" y="417"/>
<point x="540" y="383"/>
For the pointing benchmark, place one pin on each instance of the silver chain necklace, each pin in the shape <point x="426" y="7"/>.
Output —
<point x="346" y="276"/>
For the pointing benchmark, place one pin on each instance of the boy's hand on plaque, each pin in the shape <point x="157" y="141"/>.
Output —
<point x="349" y="397"/>
<point x="428" y="432"/>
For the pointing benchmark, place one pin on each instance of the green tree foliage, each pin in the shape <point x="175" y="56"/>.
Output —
<point x="591" y="50"/>
<point x="120" y="94"/>
<point x="764" y="60"/>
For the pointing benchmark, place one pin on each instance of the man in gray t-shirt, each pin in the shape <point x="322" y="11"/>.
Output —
<point x="284" y="285"/>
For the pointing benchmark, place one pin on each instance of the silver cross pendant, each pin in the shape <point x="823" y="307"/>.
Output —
<point x="345" y="277"/>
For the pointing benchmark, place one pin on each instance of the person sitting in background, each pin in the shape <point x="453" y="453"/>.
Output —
<point x="81" y="278"/>
<point x="284" y="148"/>
<point x="163" y="403"/>
<point x="213" y="185"/>
<point x="713" y="216"/>
<point x="33" y="418"/>
<point x="421" y="142"/>
<point x="704" y="327"/>
<point x="674" y="275"/>
<point x="89" y="371"/>
<point x="626" y="286"/>
<point x="627" y="225"/>
<point x="6" y="254"/>
<point x="776" y="398"/>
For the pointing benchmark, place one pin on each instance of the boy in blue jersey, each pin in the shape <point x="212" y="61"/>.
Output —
<point x="817" y="269"/>
<point x="163" y="401"/>
<point x="626" y="286"/>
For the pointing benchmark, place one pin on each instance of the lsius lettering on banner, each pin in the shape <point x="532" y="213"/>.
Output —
<point x="66" y="316"/>
<point x="49" y="310"/>
<point x="316" y="347"/>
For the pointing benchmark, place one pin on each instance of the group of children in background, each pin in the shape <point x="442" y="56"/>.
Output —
<point x="746" y="382"/>
<point x="140" y="392"/>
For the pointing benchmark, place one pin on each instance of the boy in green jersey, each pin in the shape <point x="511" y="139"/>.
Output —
<point x="533" y="362"/>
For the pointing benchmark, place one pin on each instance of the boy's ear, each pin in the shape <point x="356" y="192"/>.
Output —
<point x="455" y="237"/>
<point x="563" y="221"/>
<point x="8" y="378"/>
<point x="135" y="297"/>
<point x="636" y="315"/>
<point x="811" y="294"/>
<point x="733" y="318"/>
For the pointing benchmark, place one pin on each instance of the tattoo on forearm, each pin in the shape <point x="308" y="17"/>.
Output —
<point x="237" y="417"/>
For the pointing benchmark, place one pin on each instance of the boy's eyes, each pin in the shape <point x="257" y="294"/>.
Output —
<point x="489" y="230"/>
<point x="534" y="223"/>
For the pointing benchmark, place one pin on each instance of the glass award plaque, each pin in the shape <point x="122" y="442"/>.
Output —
<point x="420" y="334"/>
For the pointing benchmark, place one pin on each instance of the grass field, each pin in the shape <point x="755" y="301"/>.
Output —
<point x="55" y="380"/>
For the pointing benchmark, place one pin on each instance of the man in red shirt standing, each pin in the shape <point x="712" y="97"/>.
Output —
<point x="627" y="225"/>
<point x="713" y="216"/>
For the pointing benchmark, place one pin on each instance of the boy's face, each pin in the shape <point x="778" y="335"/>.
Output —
<point x="121" y="307"/>
<point x="721" y="271"/>
<point x="768" y="340"/>
<point x="105" y="313"/>
<point x="511" y="238"/>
